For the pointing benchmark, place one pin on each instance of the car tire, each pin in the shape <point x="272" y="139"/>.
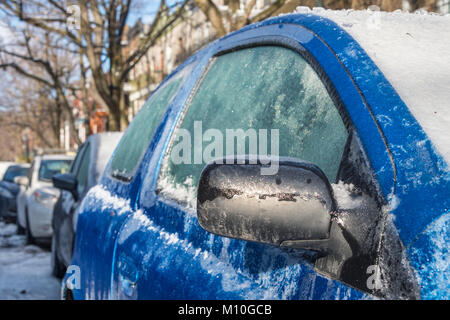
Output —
<point x="29" y="235"/>
<point x="58" y="269"/>
<point x="20" y="229"/>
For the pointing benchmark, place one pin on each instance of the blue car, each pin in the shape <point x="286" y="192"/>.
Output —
<point x="303" y="157"/>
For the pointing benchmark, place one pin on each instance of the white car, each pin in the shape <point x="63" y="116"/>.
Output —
<point x="38" y="196"/>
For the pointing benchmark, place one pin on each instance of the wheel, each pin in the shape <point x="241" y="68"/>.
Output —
<point x="29" y="235"/>
<point x="20" y="229"/>
<point x="58" y="269"/>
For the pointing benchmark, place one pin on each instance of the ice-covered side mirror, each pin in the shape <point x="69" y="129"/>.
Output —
<point x="292" y="206"/>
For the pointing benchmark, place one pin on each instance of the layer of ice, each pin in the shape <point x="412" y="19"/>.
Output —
<point x="413" y="52"/>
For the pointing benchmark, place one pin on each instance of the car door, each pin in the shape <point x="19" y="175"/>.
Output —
<point x="260" y="83"/>
<point x="64" y="217"/>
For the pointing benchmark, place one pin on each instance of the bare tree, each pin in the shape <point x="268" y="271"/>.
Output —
<point x="27" y="105"/>
<point x="99" y="38"/>
<point x="36" y="55"/>
<point x="235" y="17"/>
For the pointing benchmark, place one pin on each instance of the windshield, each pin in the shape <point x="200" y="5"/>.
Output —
<point x="14" y="171"/>
<point x="51" y="167"/>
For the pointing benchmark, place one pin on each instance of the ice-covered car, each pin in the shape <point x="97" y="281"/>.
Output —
<point x="85" y="172"/>
<point x="37" y="196"/>
<point x="9" y="190"/>
<point x="355" y="105"/>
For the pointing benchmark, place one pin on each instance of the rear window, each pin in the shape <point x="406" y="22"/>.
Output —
<point x="51" y="167"/>
<point x="14" y="171"/>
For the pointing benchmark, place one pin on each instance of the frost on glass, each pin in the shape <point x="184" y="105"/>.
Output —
<point x="261" y="88"/>
<point x="139" y="133"/>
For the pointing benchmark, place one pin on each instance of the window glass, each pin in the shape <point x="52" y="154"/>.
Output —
<point x="138" y="135"/>
<point x="14" y="171"/>
<point x="258" y="88"/>
<point x="83" y="172"/>
<point x="49" y="168"/>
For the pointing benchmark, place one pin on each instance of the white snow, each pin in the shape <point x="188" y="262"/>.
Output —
<point x="25" y="271"/>
<point x="108" y="201"/>
<point x="184" y="192"/>
<point x="413" y="52"/>
<point x="343" y="194"/>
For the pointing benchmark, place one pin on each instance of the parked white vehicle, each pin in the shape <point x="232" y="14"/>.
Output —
<point x="37" y="196"/>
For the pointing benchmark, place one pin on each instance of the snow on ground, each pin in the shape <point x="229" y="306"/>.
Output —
<point x="25" y="271"/>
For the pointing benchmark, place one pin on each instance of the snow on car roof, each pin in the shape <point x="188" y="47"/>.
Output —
<point x="413" y="52"/>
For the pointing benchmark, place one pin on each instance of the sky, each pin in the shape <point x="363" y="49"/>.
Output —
<point x="148" y="14"/>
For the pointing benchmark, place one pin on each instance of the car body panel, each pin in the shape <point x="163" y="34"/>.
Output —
<point x="156" y="249"/>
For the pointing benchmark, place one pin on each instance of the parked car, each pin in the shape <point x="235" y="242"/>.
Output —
<point x="85" y="172"/>
<point x="37" y="196"/>
<point x="355" y="206"/>
<point x="9" y="190"/>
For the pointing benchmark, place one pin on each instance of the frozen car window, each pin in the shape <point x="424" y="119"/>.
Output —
<point x="259" y="88"/>
<point x="49" y="168"/>
<point x="139" y="133"/>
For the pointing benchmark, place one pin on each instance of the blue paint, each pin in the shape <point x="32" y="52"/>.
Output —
<point x="176" y="259"/>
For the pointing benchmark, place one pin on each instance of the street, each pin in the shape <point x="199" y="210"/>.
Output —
<point x="25" y="272"/>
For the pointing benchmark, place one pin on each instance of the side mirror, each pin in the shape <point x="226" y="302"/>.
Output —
<point x="21" y="181"/>
<point x="291" y="208"/>
<point x="66" y="181"/>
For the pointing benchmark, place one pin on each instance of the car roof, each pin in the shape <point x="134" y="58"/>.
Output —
<point x="56" y="157"/>
<point x="412" y="51"/>
<point x="19" y="165"/>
